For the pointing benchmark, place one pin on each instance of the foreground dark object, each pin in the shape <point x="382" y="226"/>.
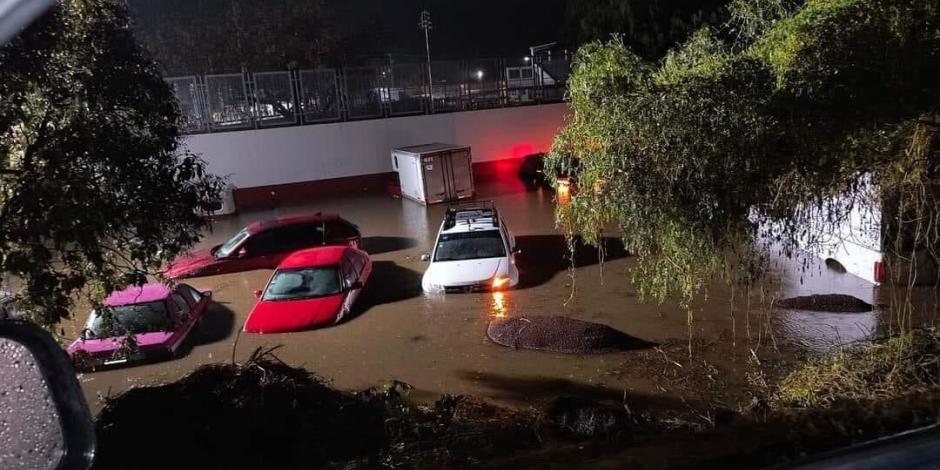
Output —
<point x="263" y="414"/>
<point x="826" y="303"/>
<point x="266" y="414"/>
<point x="561" y="334"/>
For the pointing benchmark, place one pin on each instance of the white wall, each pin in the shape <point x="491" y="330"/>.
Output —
<point x="323" y="151"/>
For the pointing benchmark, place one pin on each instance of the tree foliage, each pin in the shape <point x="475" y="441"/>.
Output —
<point x="95" y="190"/>
<point x="649" y="27"/>
<point x="732" y="134"/>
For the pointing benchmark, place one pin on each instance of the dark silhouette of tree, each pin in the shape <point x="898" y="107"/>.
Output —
<point x="648" y="27"/>
<point x="220" y="36"/>
<point x="95" y="191"/>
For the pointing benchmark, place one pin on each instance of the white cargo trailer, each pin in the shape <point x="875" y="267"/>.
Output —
<point x="434" y="173"/>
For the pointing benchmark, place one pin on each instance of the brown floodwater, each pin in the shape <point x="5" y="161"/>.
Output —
<point x="438" y="343"/>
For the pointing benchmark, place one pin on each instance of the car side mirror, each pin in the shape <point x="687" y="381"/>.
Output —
<point x="242" y="253"/>
<point x="47" y="420"/>
<point x="258" y="294"/>
<point x="425" y="257"/>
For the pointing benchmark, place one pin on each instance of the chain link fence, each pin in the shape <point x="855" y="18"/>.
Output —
<point x="214" y="103"/>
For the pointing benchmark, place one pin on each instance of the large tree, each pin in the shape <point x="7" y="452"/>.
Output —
<point x="95" y="190"/>
<point x="754" y="128"/>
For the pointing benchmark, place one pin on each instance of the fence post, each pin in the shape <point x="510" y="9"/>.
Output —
<point x="342" y="93"/>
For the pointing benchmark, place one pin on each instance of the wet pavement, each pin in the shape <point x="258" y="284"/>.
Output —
<point x="438" y="344"/>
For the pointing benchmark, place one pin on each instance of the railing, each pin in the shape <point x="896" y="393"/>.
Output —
<point x="254" y="100"/>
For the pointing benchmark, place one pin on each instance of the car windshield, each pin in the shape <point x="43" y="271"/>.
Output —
<point x="469" y="245"/>
<point x="147" y="317"/>
<point x="303" y="283"/>
<point x="225" y="250"/>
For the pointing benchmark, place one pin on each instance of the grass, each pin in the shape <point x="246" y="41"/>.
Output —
<point x="885" y="369"/>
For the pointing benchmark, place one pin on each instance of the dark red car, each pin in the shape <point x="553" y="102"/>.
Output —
<point x="310" y="288"/>
<point x="263" y="245"/>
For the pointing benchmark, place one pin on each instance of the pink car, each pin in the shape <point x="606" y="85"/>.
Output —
<point x="157" y="318"/>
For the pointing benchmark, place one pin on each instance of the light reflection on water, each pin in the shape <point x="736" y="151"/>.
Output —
<point x="498" y="305"/>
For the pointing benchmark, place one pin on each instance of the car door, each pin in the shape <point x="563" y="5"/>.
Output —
<point x="342" y="232"/>
<point x="182" y="320"/>
<point x="365" y="271"/>
<point x="292" y="238"/>
<point x="197" y="300"/>
<point x="260" y="252"/>
<point x="350" y="277"/>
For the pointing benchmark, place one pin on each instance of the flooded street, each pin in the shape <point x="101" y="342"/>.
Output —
<point x="438" y="343"/>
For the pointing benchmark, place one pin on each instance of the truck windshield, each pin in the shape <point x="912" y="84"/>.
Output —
<point x="469" y="245"/>
<point x="304" y="283"/>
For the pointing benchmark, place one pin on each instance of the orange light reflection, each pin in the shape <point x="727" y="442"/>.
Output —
<point x="499" y="305"/>
<point x="563" y="192"/>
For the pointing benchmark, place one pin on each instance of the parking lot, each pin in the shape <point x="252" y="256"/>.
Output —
<point x="438" y="344"/>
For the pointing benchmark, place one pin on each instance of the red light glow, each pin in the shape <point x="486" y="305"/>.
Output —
<point x="521" y="150"/>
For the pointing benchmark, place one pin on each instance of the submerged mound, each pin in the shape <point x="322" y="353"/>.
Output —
<point x="561" y="334"/>
<point x="262" y="414"/>
<point x="826" y="303"/>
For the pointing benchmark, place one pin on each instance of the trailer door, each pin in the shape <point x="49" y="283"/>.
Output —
<point x="462" y="174"/>
<point x="435" y="174"/>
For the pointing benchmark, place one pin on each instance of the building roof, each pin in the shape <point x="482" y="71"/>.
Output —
<point x="311" y="257"/>
<point x="430" y="148"/>
<point x="300" y="219"/>
<point x="138" y="295"/>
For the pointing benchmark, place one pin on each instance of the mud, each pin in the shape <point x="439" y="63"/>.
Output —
<point x="827" y="303"/>
<point x="562" y="335"/>
<point x="263" y="414"/>
<point x="438" y="344"/>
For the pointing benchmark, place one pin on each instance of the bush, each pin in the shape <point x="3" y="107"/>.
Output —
<point x="891" y="368"/>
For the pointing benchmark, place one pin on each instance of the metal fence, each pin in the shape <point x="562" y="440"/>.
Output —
<point x="252" y="100"/>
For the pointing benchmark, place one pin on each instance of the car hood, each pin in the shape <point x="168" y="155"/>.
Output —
<point x="462" y="273"/>
<point x="190" y="264"/>
<point x="283" y="316"/>
<point x="107" y="346"/>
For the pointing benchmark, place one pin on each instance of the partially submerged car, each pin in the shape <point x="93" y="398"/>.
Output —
<point x="475" y="251"/>
<point x="140" y="323"/>
<point x="532" y="173"/>
<point x="311" y="288"/>
<point x="263" y="245"/>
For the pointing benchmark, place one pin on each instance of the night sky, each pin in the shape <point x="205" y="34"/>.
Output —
<point x="478" y="28"/>
<point x="216" y="36"/>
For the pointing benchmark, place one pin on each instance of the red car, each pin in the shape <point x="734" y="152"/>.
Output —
<point x="310" y="288"/>
<point x="263" y="245"/>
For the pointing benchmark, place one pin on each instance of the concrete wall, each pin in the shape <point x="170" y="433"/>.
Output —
<point x="325" y="151"/>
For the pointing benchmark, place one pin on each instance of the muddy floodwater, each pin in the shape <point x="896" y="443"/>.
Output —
<point x="438" y="344"/>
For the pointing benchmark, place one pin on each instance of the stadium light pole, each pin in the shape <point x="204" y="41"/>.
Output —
<point x="424" y="23"/>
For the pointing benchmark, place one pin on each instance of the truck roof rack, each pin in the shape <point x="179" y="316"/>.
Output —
<point x="470" y="212"/>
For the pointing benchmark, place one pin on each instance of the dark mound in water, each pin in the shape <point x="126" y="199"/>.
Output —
<point x="561" y="334"/>
<point x="826" y="303"/>
<point x="262" y="414"/>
